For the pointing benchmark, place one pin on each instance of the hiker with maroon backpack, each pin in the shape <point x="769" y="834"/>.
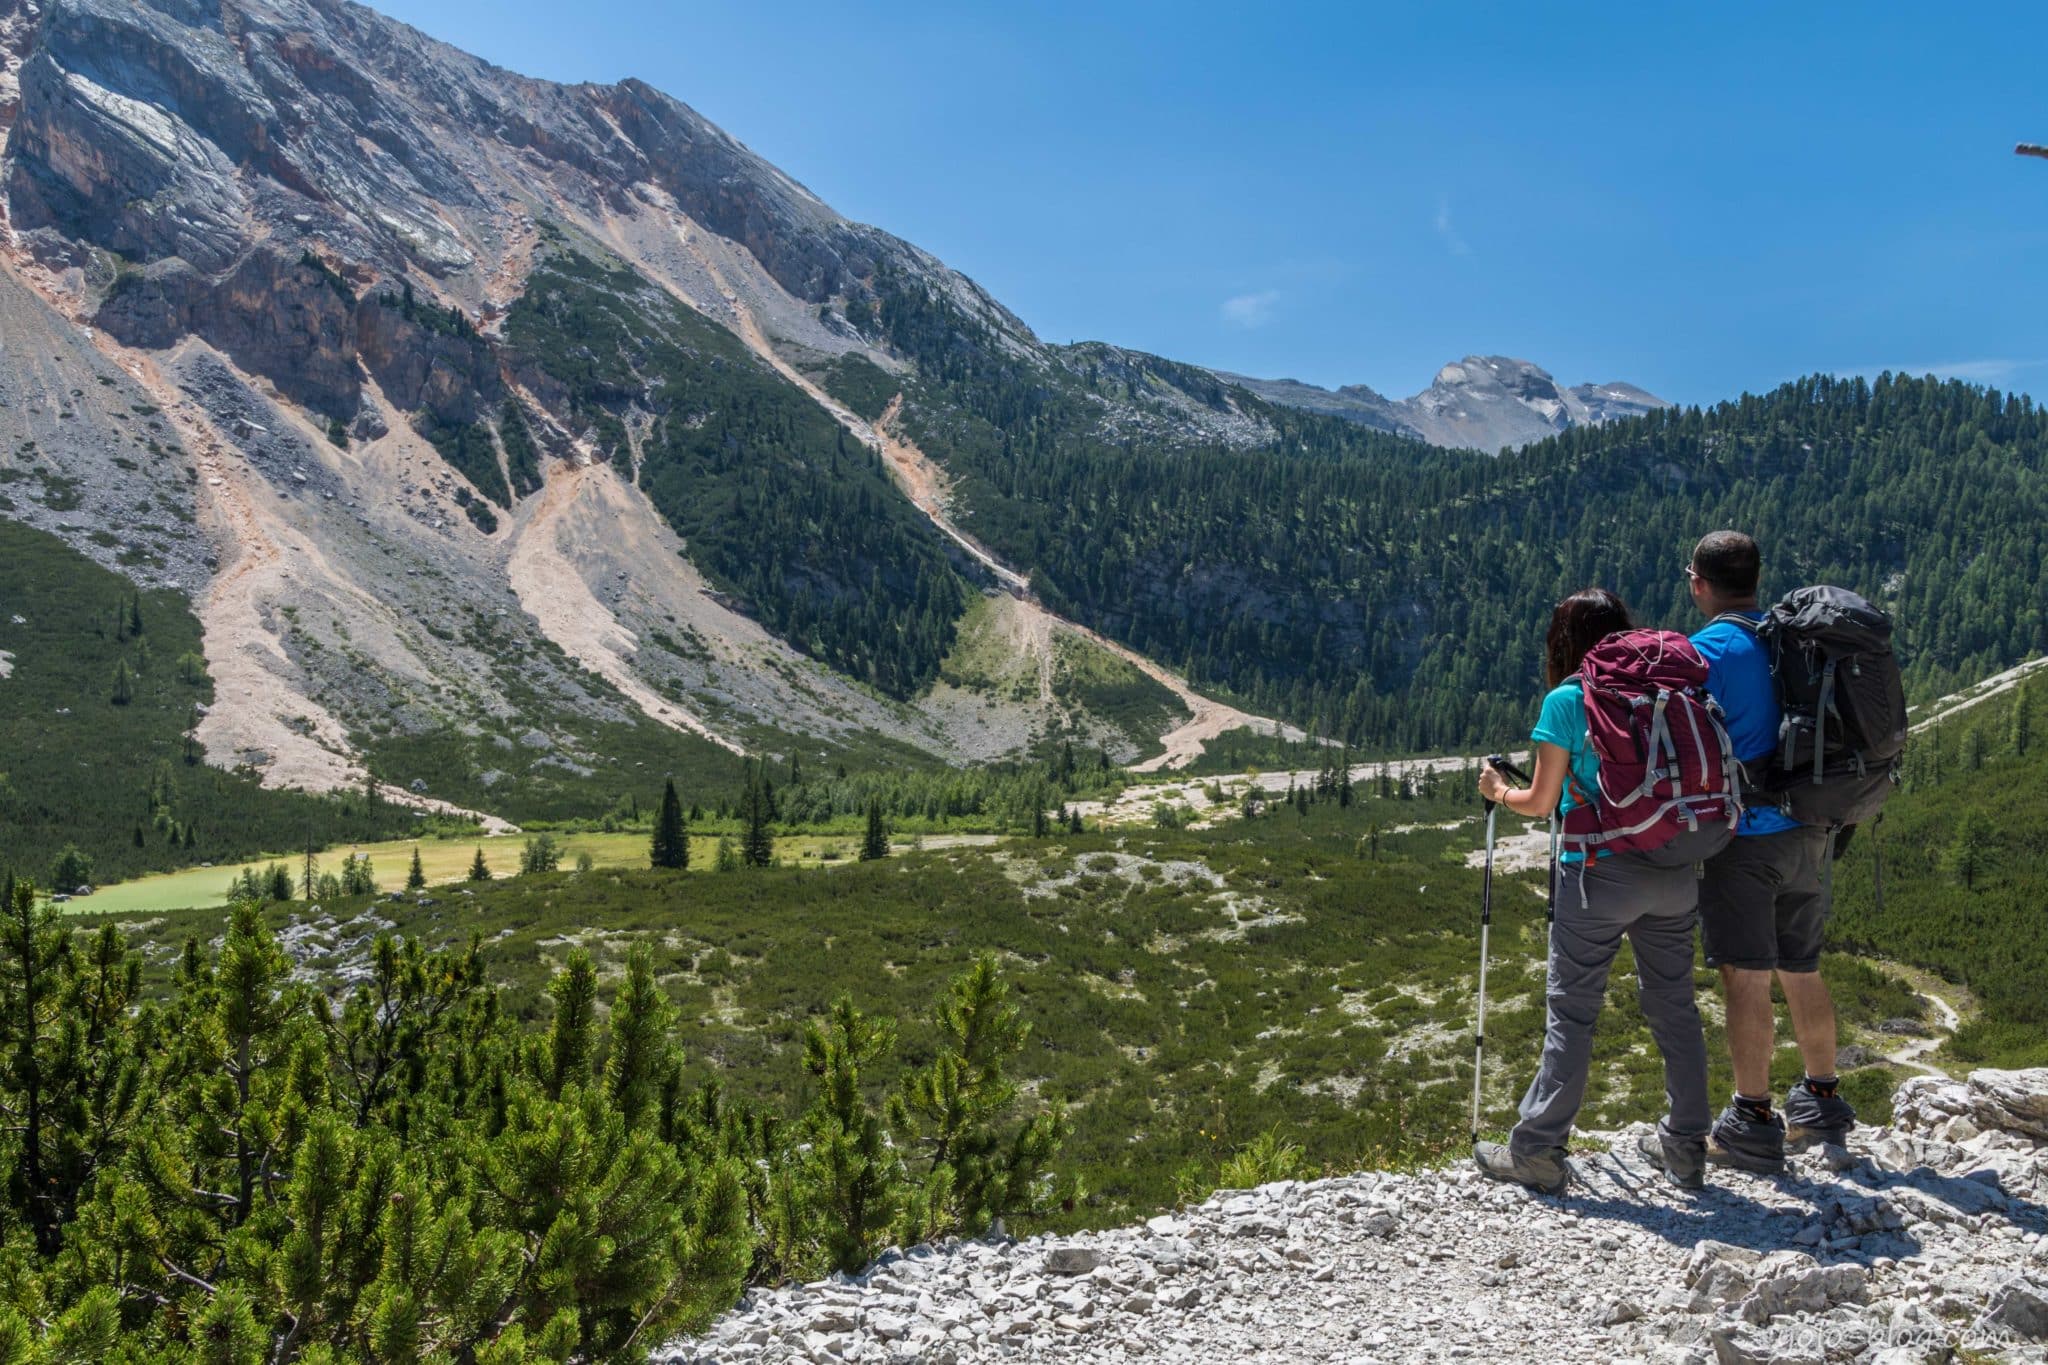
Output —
<point x="1630" y="753"/>
<point x="1801" y="685"/>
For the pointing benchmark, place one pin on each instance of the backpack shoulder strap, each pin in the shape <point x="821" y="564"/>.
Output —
<point x="1735" y="619"/>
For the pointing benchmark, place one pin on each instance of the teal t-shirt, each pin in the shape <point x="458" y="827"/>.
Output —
<point x="1562" y="721"/>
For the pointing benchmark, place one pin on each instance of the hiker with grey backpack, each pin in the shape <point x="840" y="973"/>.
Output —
<point x="1631" y="755"/>
<point x="1817" y="717"/>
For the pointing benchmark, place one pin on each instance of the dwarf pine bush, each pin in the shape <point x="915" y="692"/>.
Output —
<point x="256" y="1169"/>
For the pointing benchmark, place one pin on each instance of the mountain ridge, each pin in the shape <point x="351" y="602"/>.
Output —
<point x="1482" y="402"/>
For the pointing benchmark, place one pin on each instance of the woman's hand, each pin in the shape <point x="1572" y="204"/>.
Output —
<point x="1537" y="800"/>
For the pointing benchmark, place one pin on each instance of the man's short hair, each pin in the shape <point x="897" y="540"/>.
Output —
<point x="1729" y="561"/>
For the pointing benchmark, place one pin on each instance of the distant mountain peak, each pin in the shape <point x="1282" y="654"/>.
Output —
<point x="1484" y="402"/>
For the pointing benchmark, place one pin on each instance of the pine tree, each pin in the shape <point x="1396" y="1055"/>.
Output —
<point x="416" y="875"/>
<point x="952" y="1114"/>
<point x="71" y="870"/>
<point x="853" y="1169"/>
<point x="256" y="1021"/>
<point x="539" y="854"/>
<point x="1969" y="851"/>
<point x="671" y="843"/>
<point x="757" y="845"/>
<point x="135" y="614"/>
<point x="570" y="1041"/>
<point x="641" y="1056"/>
<point x="124" y="683"/>
<point x="479" y="870"/>
<point x="875" y="843"/>
<point x="357" y="876"/>
<point x="33" y="947"/>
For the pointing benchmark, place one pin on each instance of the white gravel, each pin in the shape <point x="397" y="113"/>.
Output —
<point x="1904" y="1247"/>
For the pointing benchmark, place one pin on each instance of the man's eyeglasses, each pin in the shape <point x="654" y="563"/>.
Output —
<point x="1692" y="573"/>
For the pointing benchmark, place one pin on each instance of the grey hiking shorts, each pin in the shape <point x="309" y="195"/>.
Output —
<point x="1764" y="901"/>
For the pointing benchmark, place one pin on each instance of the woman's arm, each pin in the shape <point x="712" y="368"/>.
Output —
<point x="1539" y="798"/>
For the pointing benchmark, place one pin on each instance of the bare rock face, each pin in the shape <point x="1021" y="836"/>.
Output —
<point x="278" y="316"/>
<point x="271" y="167"/>
<point x="169" y="128"/>
<point x="2014" y="1102"/>
<point x="420" y="368"/>
<point x="104" y="146"/>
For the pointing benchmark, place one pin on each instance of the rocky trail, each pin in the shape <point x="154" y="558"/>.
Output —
<point x="1909" y="1054"/>
<point x="1909" y="1245"/>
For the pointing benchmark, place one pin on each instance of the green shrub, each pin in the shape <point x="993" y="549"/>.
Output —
<point x="400" y="1169"/>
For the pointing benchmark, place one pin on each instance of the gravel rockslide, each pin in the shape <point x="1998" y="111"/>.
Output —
<point x="1923" y="1242"/>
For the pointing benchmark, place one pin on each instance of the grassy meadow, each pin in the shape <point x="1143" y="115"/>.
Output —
<point x="449" y="860"/>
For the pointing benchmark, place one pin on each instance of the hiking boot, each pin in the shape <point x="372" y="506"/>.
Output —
<point x="1683" y="1160"/>
<point x="1746" y="1143"/>
<point x="1812" y="1118"/>
<point x="1544" y="1172"/>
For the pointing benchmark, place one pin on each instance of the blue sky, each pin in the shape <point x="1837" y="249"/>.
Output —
<point x="1700" y="199"/>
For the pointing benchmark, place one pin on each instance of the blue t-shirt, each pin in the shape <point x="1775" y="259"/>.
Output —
<point x="1739" y="676"/>
<point x="1562" y="722"/>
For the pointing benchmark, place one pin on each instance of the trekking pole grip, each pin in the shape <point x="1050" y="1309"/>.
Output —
<point x="1501" y="764"/>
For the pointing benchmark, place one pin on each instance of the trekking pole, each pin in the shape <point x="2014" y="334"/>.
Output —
<point x="1485" y="932"/>
<point x="1500" y="764"/>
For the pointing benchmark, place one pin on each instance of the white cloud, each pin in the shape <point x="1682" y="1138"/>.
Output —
<point x="1250" y="310"/>
<point x="1445" y="230"/>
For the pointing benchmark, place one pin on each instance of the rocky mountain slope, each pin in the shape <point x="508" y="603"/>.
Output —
<point x="1483" y="402"/>
<point x="299" y="310"/>
<point x="1913" y="1244"/>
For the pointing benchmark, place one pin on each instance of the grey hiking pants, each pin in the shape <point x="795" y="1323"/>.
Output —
<point x="1653" y="899"/>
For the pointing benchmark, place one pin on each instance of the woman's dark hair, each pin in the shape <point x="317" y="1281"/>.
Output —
<point x="1581" y="621"/>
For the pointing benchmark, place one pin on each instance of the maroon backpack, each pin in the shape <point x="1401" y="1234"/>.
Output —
<point x="1665" y="763"/>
